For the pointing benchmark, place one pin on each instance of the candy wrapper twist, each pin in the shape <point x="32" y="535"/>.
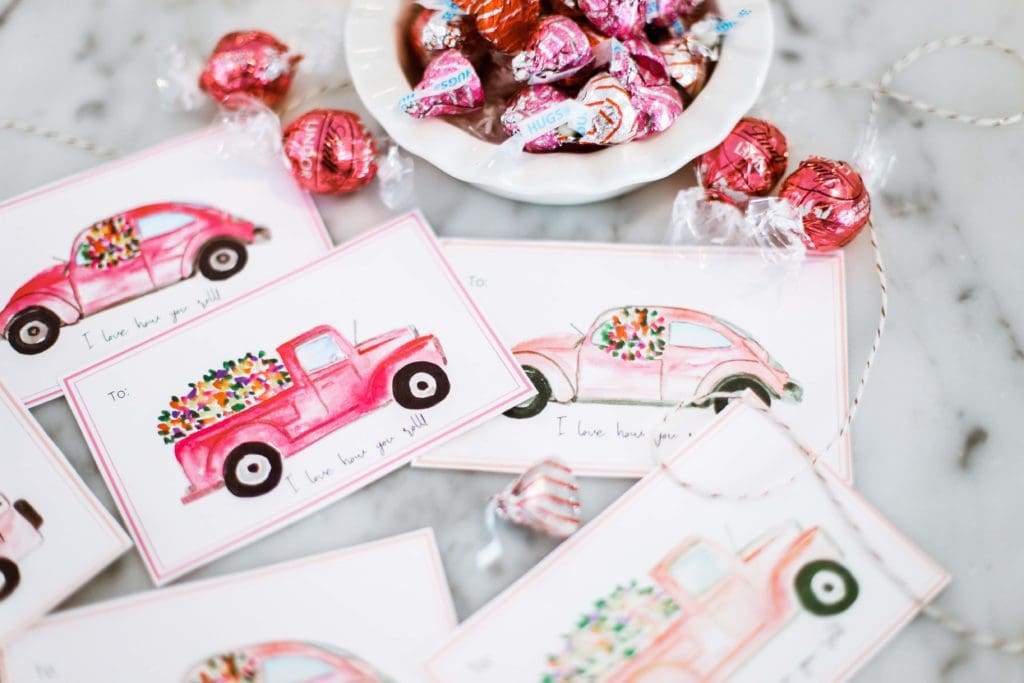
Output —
<point x="545" y="498"/>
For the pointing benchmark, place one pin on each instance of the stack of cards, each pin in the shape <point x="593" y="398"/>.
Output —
<point x="233" y="374"/>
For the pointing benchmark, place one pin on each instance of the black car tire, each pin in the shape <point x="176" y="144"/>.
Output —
<point x="420" y="385"/>
<point x="252" y="469"/>
<point x="222" y="258"/>
<point x="11" y="575"/>
<point x="26" y="510"/>
<point x="825" y="588"/>
<point x="33" y="331"/>
<point x="736" y="385"/>
<point x="535" y="405"/>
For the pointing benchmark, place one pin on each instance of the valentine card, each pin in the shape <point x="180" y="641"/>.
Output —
<point x="115" y="255"/>
<point x="371" y="613"/>
<point x="251" y="416"/>
<point x="614" y="336"/>
<point x="743" y="564"/>
<point x="54" y="535"/>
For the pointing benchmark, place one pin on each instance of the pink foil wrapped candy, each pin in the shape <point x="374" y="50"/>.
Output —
<point x="616" y="18"/>
<point x="531" y="102"/>
<point x="450" y="86"/>
<point x="614" y="117"/>
<point x="253" y="63"/>
<point x="558" y="48"/>
<point x="659" y="107"/>
<point x="433" y="31"/>
<point x="650" y="62"/>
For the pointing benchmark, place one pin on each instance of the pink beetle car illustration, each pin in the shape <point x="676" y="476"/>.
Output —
<point x="124" y="257"/>
<point x="285" y="662"/>
<point x="650" y="355"/>
<point x="333" y="384"/>
<point x="19" y="536"/>
<point x="724" y="606"/>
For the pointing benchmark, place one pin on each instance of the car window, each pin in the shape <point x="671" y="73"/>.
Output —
<point x="294" y="669"/>
<point x="157" y="224"/>
<point x="108" y="244"/>
<point x="695" y="336"/>
<point x="319" y="353"/>
<point x="698" y="570"/>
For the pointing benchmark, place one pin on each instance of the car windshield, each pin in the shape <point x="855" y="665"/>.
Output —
<point x="735" y="328"/>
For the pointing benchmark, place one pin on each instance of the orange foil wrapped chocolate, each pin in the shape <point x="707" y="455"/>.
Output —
<point x="507" y="24"/>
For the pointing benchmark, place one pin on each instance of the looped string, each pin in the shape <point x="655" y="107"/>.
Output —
<point x="879" y="90"/>
<point x="57" y="136"/>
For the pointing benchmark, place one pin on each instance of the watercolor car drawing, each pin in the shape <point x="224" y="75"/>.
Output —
<point x="285" y="662"/>
<point x="650" y="355"/>
<point x="122" y="258"/>
<point x="711" y="609"/>
<point x="326" y="383"/>
<point x="19" y="536"/>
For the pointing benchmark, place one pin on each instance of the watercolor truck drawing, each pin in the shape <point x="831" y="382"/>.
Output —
<point x="19" y="536"/>
<point x="124" y="257"/>
<point x="650" y="355"/>
<point x="332" y="383"/>
<point x="285" y="662"/>
<point x="723" y="607"/>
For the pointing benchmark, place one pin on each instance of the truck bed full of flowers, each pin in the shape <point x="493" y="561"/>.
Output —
<point x="236" y="385"/>
<point x="612" y="633"/>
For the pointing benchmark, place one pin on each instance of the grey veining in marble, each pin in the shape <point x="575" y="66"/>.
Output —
<point x="937" y="446"/>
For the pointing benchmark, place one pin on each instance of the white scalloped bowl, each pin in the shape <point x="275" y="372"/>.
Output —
<point x="372" y="49"/>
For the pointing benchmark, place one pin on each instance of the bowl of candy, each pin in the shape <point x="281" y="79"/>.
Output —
<point x="558" y="101"/>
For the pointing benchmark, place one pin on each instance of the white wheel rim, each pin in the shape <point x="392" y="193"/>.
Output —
<point x="223" y="259"/>
<point x="422" y="385"/>
<point x="34" y="333"/>
<point x="828" y="587"/>
<point x="253" y="469"/>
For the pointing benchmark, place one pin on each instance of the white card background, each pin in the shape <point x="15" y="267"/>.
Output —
<point x="386" y="602"/>
<point x="42" y="225"/>
<point x="533" y="289"/>
<point x="744" y="450"/>
<point x="79" y="537"/>
<point x="390" y="278"/>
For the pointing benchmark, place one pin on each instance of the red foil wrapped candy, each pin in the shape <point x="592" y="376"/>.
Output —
<point x="751" y="159"/>
<point x="832" y="199"/>
<point x="253" y="63"/>
<point x="616" y="18"/>
<point x="330" y="151"/>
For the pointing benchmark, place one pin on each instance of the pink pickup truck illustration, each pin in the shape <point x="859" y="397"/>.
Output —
<point x="712" y="609"/>
<point x="285" y="662"/>
<point x="650" y="355"/>
<point x="19" y="536"/>
<point x="333" y="384"/>
<point x="124" y="257"/>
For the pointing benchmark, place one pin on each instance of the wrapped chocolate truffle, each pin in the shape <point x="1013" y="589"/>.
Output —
<point x="250" y="63"/>
<point x="831" y="197"/>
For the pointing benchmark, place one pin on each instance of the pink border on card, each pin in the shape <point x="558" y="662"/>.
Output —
<point x="845" y="470"/>
<point x="425" y="534"/>
<point x="621" y="505"/>
<point x="83" y="495"/>
<point x="120" y="491"/>
<point x="319" y="228"/>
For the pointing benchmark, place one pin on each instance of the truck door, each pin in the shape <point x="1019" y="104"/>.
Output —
<point x="331" y="373"/>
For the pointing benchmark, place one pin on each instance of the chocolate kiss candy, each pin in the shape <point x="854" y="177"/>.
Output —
<point x="544" y="498"/>
<point x="650" y="62"/>
<point x="330" y="151"/>
<point x="531" y="101"/>
<point x="751" y="159"/>
<point x="433" y="31"/>
<point x="450" y="86"/>
<point x="832" y="199"/>
<point x="687" y="60"/>
<point x="614" y="117"/>
<point x="559" y="48"/>
<point x="251" y="63"/>
<point x="659" y="107"/>
<point x="616" y="18"/>
<point x="506" y="24"/>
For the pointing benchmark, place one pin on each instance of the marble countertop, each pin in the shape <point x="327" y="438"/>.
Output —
<point x="934" y="445"/>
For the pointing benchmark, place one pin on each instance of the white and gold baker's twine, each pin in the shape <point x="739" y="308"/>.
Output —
<point x="880" y="89"/>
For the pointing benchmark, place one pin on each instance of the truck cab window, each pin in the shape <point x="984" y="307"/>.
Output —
<point x="698" y="570"/>
<point x="319" y="353"/>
